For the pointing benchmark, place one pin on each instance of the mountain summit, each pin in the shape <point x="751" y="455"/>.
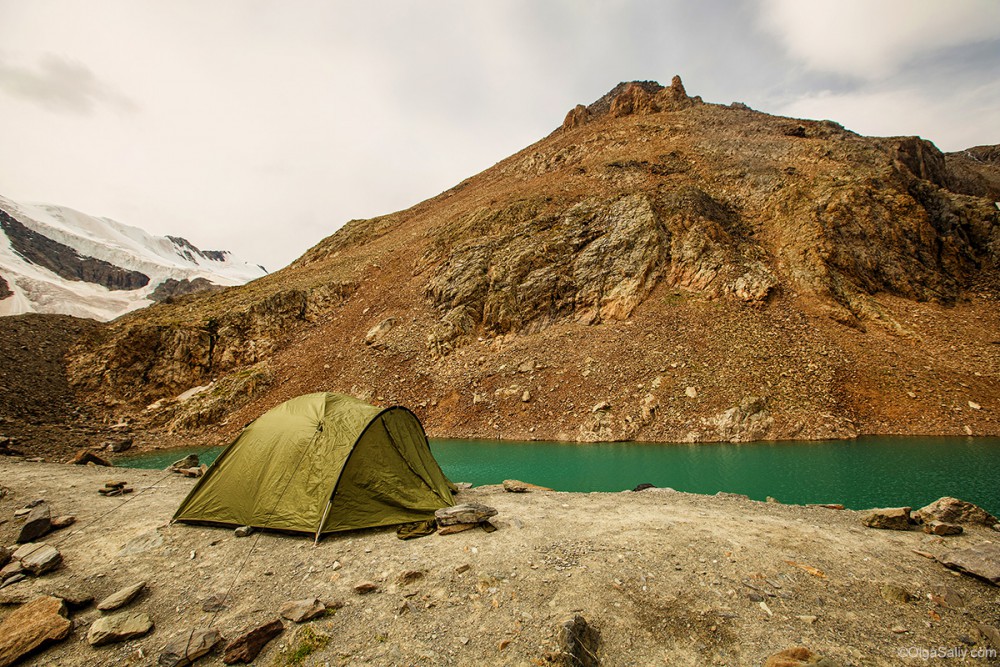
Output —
<point x="657" y="268"/>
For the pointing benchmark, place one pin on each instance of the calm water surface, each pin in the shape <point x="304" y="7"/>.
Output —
<point x="868" y="472"/>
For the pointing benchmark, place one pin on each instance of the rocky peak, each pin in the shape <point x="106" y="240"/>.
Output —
<point x="633" y="97"/>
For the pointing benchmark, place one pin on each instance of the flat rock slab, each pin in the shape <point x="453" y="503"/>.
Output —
<point x="38" y="557"/>
<point x="517" y="486"/>
<point x="941" y="528"/>
<point x="982" y="561"/>
<point x="248" y="646"/>
<point x="84" y="457"/>
<point x="186" y="647"/>
<point x="31" y="627"/>
<point x="38" y="523"/>
<point x="119" y="628"/>
<point x="122" y="597"/>
<point x="464" y="513"/>
<point x="301" y="611"/>
<point x="888" y="518"/>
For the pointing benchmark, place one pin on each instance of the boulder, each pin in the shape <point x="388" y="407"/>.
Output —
<point x="953" y="510"/>
<point x="889" y="518"/>
<point x="464" y="513"/>
<point x="38" y="557"/>
<point x="942" y="528"/>
<point x="300" y="611"/>
<point x="118" y="446"/>
<point x="85" y="457"/>
<point x="799" y="656"/>
<point x="981" y="561"/>
<point x="186" y="647"/>
<point x="578" y="643"/>
<point x="248" y="646"/>
<point x="119" y="628"/>
<point x="31" y="627"/>
<point x="38" y="523"/>
<point x="122" y="597"/>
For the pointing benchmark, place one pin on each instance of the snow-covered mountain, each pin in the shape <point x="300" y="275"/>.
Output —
<point x="54" y="259"/>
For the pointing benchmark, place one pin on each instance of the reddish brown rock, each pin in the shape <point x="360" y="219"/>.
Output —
<point x="942" y="528"/>
<point x="576" y="117"/>
<point x="248" y="646"/>
<point x="888" y="518"/>
<point x="31" y="627"/>
<point x="953" y="510"/>
<point x="799" y="656"/>
<point x="84" y="457"/>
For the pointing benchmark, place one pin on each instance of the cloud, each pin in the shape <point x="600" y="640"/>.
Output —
<point x="871" y="39"/>
<point x="62" y="85"/>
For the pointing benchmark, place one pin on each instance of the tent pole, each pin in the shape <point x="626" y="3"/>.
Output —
<point x="322" y="522"/>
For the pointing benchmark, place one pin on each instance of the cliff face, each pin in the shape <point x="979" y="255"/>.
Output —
<point x="657" y="268"/>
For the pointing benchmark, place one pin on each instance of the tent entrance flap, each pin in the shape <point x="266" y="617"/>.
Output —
<point x="321" y="463"/>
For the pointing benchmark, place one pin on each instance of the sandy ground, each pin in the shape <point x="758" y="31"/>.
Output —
<point x="667" y="578"/>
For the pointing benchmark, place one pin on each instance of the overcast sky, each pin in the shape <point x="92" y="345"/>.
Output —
<point x="261" y="126"/>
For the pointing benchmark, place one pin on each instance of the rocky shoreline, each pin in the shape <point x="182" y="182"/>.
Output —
<point x="634" y="578"/>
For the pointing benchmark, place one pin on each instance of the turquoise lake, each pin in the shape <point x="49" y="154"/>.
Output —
<point x="862" y="473"/>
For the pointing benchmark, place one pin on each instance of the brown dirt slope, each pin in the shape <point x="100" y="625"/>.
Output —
<point x="658" y="268"/>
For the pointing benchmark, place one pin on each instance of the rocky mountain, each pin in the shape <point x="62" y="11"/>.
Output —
<point x="57" y="260"/>
<point x="657" y="268"/>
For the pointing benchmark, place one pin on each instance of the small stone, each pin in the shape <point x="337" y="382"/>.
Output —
<point x="898" y="629"/>
<point x="64" y="521"/>
<point x="248" y="646"/>
<point x="122" y="597"/>
<point x="464" y="567"/>
<point x="10" y="581"/>
<point x="300" y="611"/>
<point x="186" y="647"/>
<point x="799" y="656"/>
<point x="889" y="518"/>
<point x="409" y="576"/>
<point x="38" y="557"/>
<point x="975" y="406"/>
<point x="74" y="598"/>
<point x="31" y="627"/>
<point x="526" y="396"/>
<point x="691" y="392"/>
<point x="118" y="446"/>
<point x="38" y="523"/>
<point x="11" y="570"/>
<point x="191" y="472"/>
<point x="773" y="500"/>
<point x="808" y="620"/>
<point x="85" y="457"/>
<point x="991" y="634"/>
<point x="119" y="628"/>
<point x="894" y="593"/>
<point x="365" y="587"/>
<point x="603" y="406"/>
<point x="243" y="531"/>
<point x="465" y="513"/>
<point x="942" y="528"/>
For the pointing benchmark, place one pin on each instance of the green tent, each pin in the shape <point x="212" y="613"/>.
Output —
<point x="322" y="463"/>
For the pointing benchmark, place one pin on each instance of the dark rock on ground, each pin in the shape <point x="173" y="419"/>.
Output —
<point x="38" y="523"/>
<point x="578" y="643"/>
<point x="31" y="627"/>
<point x="248" y="646"/>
